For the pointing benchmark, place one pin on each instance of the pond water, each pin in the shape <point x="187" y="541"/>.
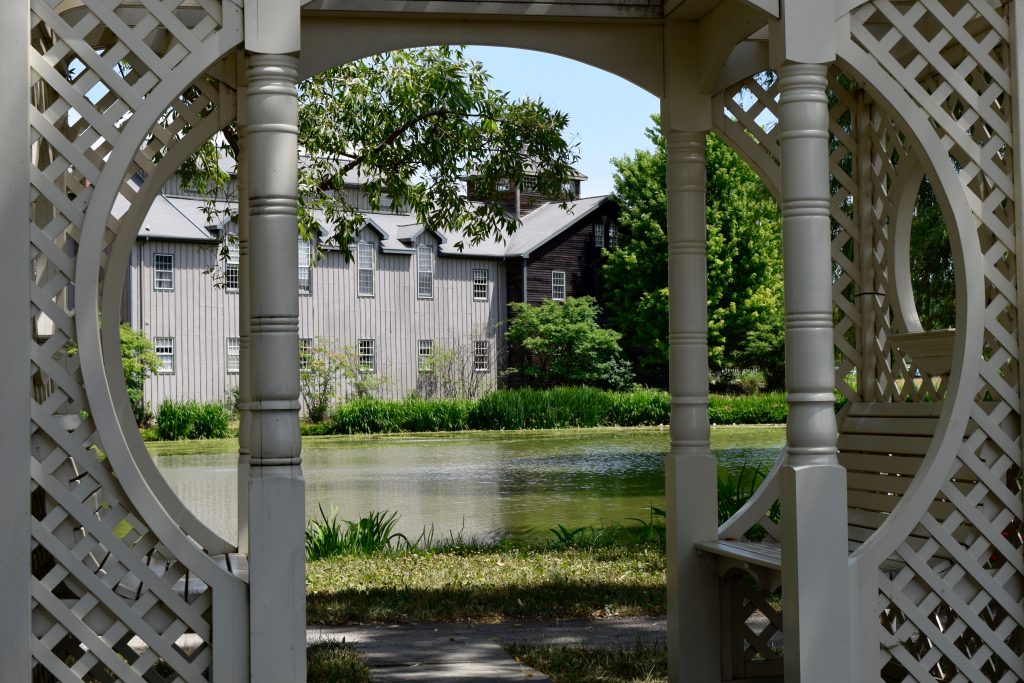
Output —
<point x="480" y="484"/>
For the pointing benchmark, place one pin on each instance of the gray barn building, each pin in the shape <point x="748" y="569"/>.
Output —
<point x="404" y="292"/>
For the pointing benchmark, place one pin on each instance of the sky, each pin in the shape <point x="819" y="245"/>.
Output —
<point x="607" y="114"/>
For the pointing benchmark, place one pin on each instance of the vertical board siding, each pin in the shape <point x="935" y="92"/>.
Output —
<point x="201" y="316"/>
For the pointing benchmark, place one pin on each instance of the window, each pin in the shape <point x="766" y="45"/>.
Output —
<point x="558" y="285"/>
<point x="305" y="275"/>
<point x="164" y="347"/>
<point x="231" y="268"/>
<point x="529" y="184"/>
<point x="364" y="266"/>
<point x="234" y="355"/>
<point x="424" y="272"/>
<point x="613" y="236"/>
<point x="599" y="235"/>
<point x="163" y="272"/>
<point x="479" y="284"/>
<point x="482" y="355"/>
<point x="367" y="355"/>
<point x="305" y="348"/>
<point x="425" y="349"/>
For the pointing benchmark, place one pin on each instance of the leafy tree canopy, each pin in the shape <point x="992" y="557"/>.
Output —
<point x="745" y="324"/>
<point x="413" y="125"/>
<point x="931" y="262"/>
<point x="564" y="345"/>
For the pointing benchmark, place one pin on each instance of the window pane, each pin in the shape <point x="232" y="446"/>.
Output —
<point x="558" y="285"/>
<point x="164" y="347"/>
<point x="364" y="266"/>
<point x="424" y="272"/>
<point x="305" y="346"/>
<point x="599" y="235"/>
<point x="163" y="271"/>
<point x="234" y="354"/>
<point x="231" y="267"/>
<point x="305" y="277"/>
<point x="426" y="347"/>
<point x="482" y="355"/>
<point x="367" y="357"/>
<point x="479" y="285"/>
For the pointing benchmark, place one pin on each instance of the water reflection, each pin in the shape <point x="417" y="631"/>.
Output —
<point x="482" y="486"/>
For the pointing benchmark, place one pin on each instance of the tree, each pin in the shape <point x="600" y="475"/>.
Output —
<point x="412" y="125"/>
<point x="139" y="361"/>
<point x="745" y="327"/>
<point x="931" y="262"/>
<point x="450" y="372"/>
<point x="564" y="345"/>
<point x="327" y="363"/>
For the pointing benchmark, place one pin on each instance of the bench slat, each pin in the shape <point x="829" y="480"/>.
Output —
<point x="896" y="445"/>
<point x="902" y="426"/>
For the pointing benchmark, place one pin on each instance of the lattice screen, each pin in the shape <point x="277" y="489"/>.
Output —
<point x="115" y="87"/>
<point x="956" y="611"/>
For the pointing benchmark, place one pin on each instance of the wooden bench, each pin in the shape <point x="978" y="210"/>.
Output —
<point x="882" y="446"/>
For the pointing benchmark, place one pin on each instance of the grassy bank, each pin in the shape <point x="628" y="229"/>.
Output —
<point x="487" y="583"/>
<point x="641" y="663"/>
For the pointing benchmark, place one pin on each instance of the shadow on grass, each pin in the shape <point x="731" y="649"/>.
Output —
<point x="545" y="600"/>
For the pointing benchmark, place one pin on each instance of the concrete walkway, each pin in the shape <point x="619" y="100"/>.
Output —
<point x="472" y="653"/>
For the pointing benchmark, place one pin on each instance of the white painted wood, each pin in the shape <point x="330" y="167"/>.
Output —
<point x="277" y="587"/>
<point x="272" y="26"/>
<point x="813" y="486"/>
<point x="15" y="627"/>
<point x="690" y="469"/>
<point x="242" y="315"/>
<point x="806" y="33"/>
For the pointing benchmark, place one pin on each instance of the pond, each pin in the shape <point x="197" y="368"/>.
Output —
<point x="482" y="485"/>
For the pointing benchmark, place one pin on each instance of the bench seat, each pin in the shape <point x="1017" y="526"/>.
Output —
<point x="882" y="446"/>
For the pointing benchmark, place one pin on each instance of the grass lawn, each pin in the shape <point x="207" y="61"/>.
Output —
<point x="333" y="662"/>
<point x="639" y="664"/>
<point x="487" y="583"/>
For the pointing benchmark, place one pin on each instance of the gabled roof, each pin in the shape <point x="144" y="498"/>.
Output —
<point x="548" y="221"/>
<point x="183" y="218"/>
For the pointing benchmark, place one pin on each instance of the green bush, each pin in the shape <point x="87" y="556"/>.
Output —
<point x="329" y="537"/>
<point x="375" y="416"/>
<point x="192" y="420"/>
<point x="767" y="408"/>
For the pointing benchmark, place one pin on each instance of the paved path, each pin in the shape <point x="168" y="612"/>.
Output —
<point x="472" y="653"/>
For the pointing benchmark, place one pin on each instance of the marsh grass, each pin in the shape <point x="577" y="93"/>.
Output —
<point x="374" y="533"/>
<point x="641" y="663"/>
<point x="651" y="530"/>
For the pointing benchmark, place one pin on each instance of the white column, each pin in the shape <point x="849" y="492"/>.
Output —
<point x="244" y="393"/>
<point x="276" y="487"/>
<point x="15" y="380"/>
<point x="815" y="566"/>
<point x="690" y="470"/>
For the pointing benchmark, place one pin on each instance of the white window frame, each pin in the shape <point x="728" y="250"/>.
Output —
<point x="305" y="346"/>
<point x="482" y="355"/>
<point x="364" y="268"/>
<point x="164" y="348"/>
<point x="231" y="268"/>
<point x="558" y="288"/>
<point x="424" y="272"/>
<point x="423" y="351"/>
<point x="163" y="277"/>
<point x="481" y="280"/>
<point x="613" y="236"/>
<point x="529" y="184"/>
<point x="305" y="259"/>
<point x="233" y="357"/>
<point x="367" y="350"/>
<point x="599" y="235"/>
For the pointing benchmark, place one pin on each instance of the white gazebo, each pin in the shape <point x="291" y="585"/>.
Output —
<point x="899" y="549"/>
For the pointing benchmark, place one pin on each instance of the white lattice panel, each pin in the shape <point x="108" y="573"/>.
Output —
<point x="117" y="90"/>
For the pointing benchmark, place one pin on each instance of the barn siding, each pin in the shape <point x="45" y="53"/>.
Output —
<point x="200" y="316"/>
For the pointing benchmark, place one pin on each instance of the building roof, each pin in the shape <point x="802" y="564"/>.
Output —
<point x="184" y="218"/>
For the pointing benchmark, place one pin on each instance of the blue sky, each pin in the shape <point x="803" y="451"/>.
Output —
<point x="607" y="115"/>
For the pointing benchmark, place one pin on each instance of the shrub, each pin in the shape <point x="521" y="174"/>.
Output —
<point x="642" y="407"/>
<point x="192" y="420"/>
<point x="767" y="408"/>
